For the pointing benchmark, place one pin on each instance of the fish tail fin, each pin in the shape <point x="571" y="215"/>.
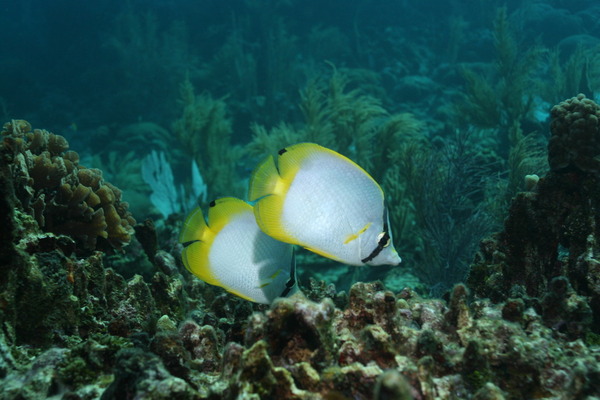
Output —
<point x="194" y="237"/>
<point x="267" y="191"/>
<point x="193" y="227"/>
<point x="263" y="180"/>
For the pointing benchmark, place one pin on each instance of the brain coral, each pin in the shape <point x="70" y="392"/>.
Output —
<point x="575" y="140"/>
<point x="64" y="197"/>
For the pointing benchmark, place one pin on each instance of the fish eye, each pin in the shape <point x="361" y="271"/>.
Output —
<point x="383" y="239"/>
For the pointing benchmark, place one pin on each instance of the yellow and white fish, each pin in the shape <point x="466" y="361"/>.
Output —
<point x="232" y="252"/>
<point x="321" y="200"/>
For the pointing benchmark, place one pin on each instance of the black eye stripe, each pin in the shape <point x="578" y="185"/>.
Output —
<point x="383" y="241"/>
<point x="380" y="246"/>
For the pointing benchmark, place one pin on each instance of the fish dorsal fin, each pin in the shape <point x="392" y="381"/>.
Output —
<point x="223" y="210"/>
<point x="299" y="153"/>
<point x="292" y="157"/>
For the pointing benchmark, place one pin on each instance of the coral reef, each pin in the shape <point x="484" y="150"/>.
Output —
<point x="382" y="345"/>
<point x="546" y="256"/>
<point x="63" y="197"/>
<point x="73" y="328"/>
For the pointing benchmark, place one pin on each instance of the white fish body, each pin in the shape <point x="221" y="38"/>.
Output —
<point x="321" y="200"/>
<point x="232" y="252"/>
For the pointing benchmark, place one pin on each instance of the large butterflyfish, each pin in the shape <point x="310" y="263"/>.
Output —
<point x="317" y="198"/>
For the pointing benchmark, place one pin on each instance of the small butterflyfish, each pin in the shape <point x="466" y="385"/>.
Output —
<point x="229" y="250"/>
<point x="319" y="199"/>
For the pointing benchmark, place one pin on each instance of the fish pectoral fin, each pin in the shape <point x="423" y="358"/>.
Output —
<point x="267" y="281"/>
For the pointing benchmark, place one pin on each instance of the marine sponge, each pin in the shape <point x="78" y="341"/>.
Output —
<point x="64" y="197"/>
<point x="575" y="140"/>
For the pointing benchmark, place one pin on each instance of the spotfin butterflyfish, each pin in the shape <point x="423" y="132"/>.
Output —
<point x="317" y="198"/>
<point x="229" y="250"/>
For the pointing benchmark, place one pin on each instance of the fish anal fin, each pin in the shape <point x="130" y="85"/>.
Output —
<point x="238" y="294"/>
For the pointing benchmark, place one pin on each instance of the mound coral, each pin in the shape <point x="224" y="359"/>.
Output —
<point x="63" y="197"/>
<point x="547" y="254"/>
<point x="575" y="140"/>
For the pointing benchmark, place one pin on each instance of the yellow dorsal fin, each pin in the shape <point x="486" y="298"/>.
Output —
<point x="290" y="161"/>
<point x="222" y="210"/>
<point x="292" y="157"/>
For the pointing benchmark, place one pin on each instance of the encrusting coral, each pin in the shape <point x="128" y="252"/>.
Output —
<point x="64" y="197"/>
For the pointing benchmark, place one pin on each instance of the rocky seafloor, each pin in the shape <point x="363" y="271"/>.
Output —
<point x="526" y="324"/>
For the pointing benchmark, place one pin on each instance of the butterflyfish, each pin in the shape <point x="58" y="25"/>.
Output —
<point x="319" y="199"/>
<point x="229" y="250"/>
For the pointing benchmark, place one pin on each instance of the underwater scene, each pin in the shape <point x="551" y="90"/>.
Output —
<point x="300" y="199"/>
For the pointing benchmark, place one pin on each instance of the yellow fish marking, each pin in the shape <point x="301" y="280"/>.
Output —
<point x="355" y="236"/>
<point x="270" y="279"/>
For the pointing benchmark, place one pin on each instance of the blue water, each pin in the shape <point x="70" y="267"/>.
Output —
<point x="88" y="70"/>
<point x="71" y="62"/>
